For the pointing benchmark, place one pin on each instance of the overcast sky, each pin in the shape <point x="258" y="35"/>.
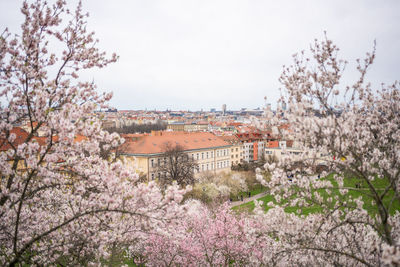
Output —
<point x="192" y="55"/>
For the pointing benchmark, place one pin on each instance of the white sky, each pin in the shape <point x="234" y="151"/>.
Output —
<point x="186" y="54"/>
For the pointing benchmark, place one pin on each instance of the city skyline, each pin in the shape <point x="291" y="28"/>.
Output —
<point x="193" y="55"/>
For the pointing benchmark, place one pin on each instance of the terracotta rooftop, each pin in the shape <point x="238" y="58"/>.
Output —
<point x="273" y="144"/>
<point x="155" y="143"/>
<point x="233" y="139"/>
<point x="22" y="136"/>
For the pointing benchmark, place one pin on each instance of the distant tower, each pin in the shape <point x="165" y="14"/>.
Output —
<point x="223" y="109"/>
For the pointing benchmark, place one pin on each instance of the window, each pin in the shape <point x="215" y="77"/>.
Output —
<point x="237" y="149"/>
<point x="152" y="163"/>
<point x="207" y="166"/>
<point x="202" y="155"/>
<point x="207" y="154"/>
<point x="158" y="162"/>
<point x="202" y="167"/>
<point x="212" y="154"/>
<point x="212" y="165"/>
<point x="152" y="176"/>
<point x="197" y="156"/>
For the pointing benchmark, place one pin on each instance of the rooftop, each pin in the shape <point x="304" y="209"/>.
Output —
<point x="156" y="143"/>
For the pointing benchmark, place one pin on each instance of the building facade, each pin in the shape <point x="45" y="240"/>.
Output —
<point x="146" y="153"/>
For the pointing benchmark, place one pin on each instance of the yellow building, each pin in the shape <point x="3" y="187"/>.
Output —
<point x="188" y="127"/>
<point x="176" y="126"/>
<point x="236" y="152"/>
<point x="146" y="153"/>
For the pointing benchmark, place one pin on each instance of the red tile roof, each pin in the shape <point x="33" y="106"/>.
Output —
<point x="22" y="135"/>
<point x="273" y="144"/>
<point x="232" y="139"/>
<point x="155" y="144"/>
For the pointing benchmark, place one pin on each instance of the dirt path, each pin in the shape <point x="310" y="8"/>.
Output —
<point x="248" y="199"/>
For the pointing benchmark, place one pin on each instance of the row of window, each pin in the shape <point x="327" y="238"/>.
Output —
<point x="196" y="156"/>
<point x="204" y="155"/>
<point x="210" y="166"/>
<point x="207" y="155"/>
<point x="232" y="149"/>
<point x="202" y="167"/>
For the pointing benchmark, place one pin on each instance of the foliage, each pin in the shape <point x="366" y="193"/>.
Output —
<point x="139" y="128"/>
<point x="358" y="138"/>
<point x="355" y="131"/>
<point x="349" y="197"/>
<point x="176" y="166"/>
<point x="60" y="201"/>
<point x="248" y="166"/>
<point x="218" y="188"/>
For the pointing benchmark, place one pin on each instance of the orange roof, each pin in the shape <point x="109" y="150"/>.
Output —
<point x="155" y="144"/>
<point x="130" y="135"/>
<point x="235" y="124"/>
<point x="80" y="138"/>
<point x="284" y="126"/>
<point x="21" y="136"/>
<point x="233" y="139"/>
<point x="273" y="144"/>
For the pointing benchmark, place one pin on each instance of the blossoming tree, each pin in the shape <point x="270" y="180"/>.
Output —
<point x="60" y="201"/>
<point x="355" y="132"/>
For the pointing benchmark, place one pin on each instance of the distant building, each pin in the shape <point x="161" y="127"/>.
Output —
<point x="236" y="149"/>
<point x="253" y="145"/>
<point x="176" y="126"/>
<point x="145" y="153"/>
<point x="199" y="126"/>
<point x="223" y="109"/>
<point x="277" y="149"/>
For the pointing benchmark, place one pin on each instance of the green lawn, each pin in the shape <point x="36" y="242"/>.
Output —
<point x="254" y="191"/>
<point x="362" y="191"/>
